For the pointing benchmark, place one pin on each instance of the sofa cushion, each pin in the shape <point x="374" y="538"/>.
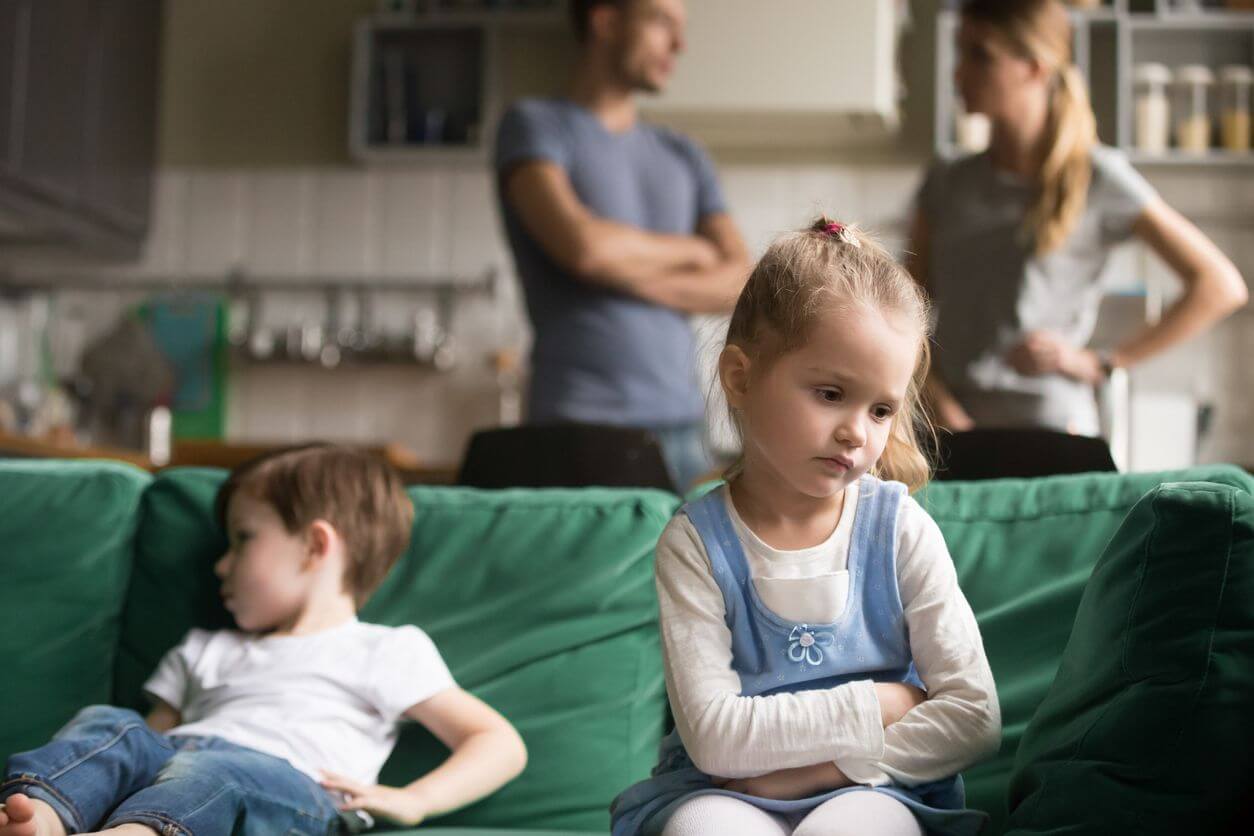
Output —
<point x="541" y="601"/>
<point x="1147" y="726"/>
<point x="1023" y="550"/>
<point x="66" y="530"/>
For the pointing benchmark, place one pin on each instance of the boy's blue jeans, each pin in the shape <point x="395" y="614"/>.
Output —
<point x="107" y="767"/>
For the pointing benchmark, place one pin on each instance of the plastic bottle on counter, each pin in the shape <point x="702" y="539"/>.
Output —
<point x="1153" y="111"/>
<point x="1192" y="111"/>
<point x="1235" y="81"/>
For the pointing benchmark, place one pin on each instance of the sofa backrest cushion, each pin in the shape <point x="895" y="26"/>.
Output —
<point x="541" y="601"/>
<point x="1147" y="727"/>
<point x="66" y="531"/>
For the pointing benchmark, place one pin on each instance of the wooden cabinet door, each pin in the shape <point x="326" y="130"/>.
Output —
<point x="14" y="24"/>
<point x="51" y="151"/>
<point x="122" y="124"/>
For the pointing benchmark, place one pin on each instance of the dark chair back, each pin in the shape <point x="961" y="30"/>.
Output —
<point x="1018" y="453"/>
<point x="565" y="456"/>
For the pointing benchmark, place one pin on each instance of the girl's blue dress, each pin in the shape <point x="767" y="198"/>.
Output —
<point x="773" y="655"/>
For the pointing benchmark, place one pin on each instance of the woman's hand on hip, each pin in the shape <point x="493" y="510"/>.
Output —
<point x="1044" y="352"/>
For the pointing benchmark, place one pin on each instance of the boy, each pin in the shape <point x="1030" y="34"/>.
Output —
<point x="282" y="725"/>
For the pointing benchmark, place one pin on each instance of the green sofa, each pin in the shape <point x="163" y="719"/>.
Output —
<point x="542" y="602"/>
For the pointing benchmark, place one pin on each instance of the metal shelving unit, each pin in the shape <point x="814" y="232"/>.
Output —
<point x="1109" y="42"/>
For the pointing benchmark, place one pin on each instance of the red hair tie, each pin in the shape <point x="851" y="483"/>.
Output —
<point x="841" y="233"/>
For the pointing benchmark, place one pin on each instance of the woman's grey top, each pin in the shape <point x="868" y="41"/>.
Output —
<point x="991" y="289"/>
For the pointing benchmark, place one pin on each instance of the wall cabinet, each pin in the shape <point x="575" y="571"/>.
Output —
<point x="78" y="95"/>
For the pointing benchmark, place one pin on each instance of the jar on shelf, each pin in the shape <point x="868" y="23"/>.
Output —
<point x="1235" y="81"/>
<point x="1192" y="108"/>
<point x="1152" y="110"/>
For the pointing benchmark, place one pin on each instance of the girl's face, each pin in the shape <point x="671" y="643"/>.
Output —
<point x="817" y="418"/>
<point x="266" y="571"/>
<point x="991" y="78"/>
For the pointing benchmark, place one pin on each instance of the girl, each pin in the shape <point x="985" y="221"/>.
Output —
<point x="1011" y="243"/>
<point x="809" y="605"/>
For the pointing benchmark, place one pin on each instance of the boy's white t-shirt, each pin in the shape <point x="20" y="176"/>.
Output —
<point x="326" y="702"/>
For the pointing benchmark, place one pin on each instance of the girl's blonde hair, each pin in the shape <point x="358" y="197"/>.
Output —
<point x="1040" y="30"/>
<point x="830" y="265"/>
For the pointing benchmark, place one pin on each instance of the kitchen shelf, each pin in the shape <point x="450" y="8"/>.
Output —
<point x="428" y="87"/>
<point x="1109" y="42"/>
<point x="1215" y="157"/>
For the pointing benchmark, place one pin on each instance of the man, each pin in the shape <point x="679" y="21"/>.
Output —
<point x="619" y="232"/>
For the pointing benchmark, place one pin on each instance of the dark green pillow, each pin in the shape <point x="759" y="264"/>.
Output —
<point x="1024" y="550"/>
<point x="66" y="531"/>
<point x="1149" y="725"/>
<point x="173" y="588"/>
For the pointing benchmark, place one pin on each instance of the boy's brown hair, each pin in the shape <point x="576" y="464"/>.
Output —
<point x="357" y="492"/>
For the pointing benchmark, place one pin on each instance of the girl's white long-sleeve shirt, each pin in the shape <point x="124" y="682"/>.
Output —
<point x="733" y="736"/>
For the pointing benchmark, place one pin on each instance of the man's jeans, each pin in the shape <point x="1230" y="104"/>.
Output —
<point x="107" y="767"/>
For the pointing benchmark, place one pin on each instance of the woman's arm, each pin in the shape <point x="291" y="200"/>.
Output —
<point x="960" y="722"/>
<point x="1213" y="287"/>
<point x="948" y="413"/>
<point x="732" y="736"/>
<point x="487" y="753"/>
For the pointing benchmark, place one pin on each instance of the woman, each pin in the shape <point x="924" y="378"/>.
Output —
<point x="1011" y="243"/>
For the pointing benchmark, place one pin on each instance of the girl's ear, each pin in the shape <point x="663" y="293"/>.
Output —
<point x="733" y="373"/>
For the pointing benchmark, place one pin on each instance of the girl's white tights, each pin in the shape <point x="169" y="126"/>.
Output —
<point x="851" y="814"/>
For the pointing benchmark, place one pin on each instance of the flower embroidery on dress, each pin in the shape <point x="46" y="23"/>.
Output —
<point x="806" y="645"/>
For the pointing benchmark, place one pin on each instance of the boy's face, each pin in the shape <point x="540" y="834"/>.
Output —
<point x="266" y="573"/>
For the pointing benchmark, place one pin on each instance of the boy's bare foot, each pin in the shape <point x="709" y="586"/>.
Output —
<point x="21" y="815"/>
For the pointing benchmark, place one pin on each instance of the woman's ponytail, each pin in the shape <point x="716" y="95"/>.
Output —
<point x="1068" y="168"/>
<point x="1041" y="31"/>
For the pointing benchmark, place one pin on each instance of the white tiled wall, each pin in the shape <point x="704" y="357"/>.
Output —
<point x="442" y="223"/>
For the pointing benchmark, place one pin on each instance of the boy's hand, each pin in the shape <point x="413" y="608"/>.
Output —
<point x="401" y="806"/>
<point x="789" y="784"/>
<point x="896" y="700"/>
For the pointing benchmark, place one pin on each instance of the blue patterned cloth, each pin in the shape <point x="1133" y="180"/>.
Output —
<point x="773" y="655"/>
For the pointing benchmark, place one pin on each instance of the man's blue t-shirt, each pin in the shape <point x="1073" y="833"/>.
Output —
<point x="601" y="356"/>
